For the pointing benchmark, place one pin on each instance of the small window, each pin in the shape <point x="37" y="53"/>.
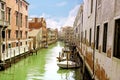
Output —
<point x="90" y="37"/>
<point x="26" y="7"/>
<point x="9" y="33"/>
<point x="9" y="45"/>
<point x="3" y="34"/>
<point x="91" y="10"/>
<point x="3" y="48"/>
<point x="9" y="14"/>
<point x="26" y="42"/>
<point x="105" y="37"/>
<point x="16" y="33"/>
<point x="97" y="37"/>
<point x="26" y="34"/>
<point x="2" y="6"/>
<point x="26" y="21"/>
<point x="17" y="44"/>
<point x="20" y="34"/>
<point x="21" y="43"/>
<point x="116" y="52"/>
<point x="21" y="19"/>
<point x="17" y="18"/>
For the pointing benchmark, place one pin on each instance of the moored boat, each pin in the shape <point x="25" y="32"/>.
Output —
<point x="68" y="64"/>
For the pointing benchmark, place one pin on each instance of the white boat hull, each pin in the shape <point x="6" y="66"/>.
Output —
<point x="67" y="64"/>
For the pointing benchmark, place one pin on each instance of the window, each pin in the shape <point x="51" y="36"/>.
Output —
<point x="21" y="19"/>
<point x="26" y="33"/>
<point x="76" y="30"/>
<point x="3" y="34"/>
<point x="16" y="44"/>
<point x="2" y="6"/>
<point x="21" y="43"/>
<point x="17" y="18"/>
<point x="26" y="7"/>
<point x="9" y="45"/>
<point x="26" y="21"/>
<point x="105" y="37"/>
<point x="9" y="14"/>
<point x="91" y="9"/>
<point x="16" y="33"/>
<point x="3" y="48"/>
<point x="90" y="37"/>
<point x="26" y="42"/>
<point x="9" y="33"/>
<point x="20" y="34"/>
<point x="117" y="39"/>
<point x="97" y="37"/>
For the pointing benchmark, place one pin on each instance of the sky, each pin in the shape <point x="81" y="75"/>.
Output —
<point x="58" y="13"/>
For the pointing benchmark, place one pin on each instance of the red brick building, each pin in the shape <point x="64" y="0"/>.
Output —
<point x="39" y="24"/>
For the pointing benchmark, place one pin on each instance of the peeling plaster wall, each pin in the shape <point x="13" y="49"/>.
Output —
<point x="107" y="67"/>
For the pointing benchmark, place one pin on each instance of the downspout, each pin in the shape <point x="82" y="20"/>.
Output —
<point x="0" y="44"/>
<point x="93" y="77"/>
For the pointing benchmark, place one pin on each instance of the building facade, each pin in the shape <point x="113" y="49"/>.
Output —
<point x="37" y="37"/>
<point x="52" y="35"/>
<point x="77" y="26"/>
<point x="67" y="34"/>
<point x="39" y="24"/>
<point x="100" y="38"/>
<point x="14" y="40"/>
<point x="3" y="25"/>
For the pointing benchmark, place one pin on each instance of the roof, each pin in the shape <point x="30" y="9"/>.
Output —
<point x="34" y="32"/>
<point x="26" y="2"/>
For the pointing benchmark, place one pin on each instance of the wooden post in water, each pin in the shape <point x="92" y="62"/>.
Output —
<point x="36" y="52"/>
<point x="24" y="53"/>
<point x="67" y="60"/>
<point x="14" y="56"/>
<point x="59" y="57"/>
<point x="10" y="56"/>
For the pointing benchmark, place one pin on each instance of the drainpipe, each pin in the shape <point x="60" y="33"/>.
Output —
<point x="93" y="77"/>
<point x="0" y="44"/>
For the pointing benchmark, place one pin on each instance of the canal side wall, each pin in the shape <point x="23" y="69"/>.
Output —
<point x="97" y="40"/>
<point x="87" y="71"/>
<point x="12" y="55"/>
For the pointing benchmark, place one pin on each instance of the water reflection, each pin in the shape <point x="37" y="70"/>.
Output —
<point x="40" y="67"/>
<point x="66" y="74"/>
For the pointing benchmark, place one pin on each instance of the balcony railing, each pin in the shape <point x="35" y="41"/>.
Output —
<point x="4" y="23"/>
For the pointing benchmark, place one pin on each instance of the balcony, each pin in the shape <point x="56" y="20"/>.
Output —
<point x="4" y="23"/>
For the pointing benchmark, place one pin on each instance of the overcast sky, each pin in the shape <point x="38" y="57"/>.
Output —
<point x="56" y="12"/>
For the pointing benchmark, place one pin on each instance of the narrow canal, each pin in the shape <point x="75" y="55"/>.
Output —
<point x="41" y="67"/>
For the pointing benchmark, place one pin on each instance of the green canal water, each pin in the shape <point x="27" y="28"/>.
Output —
<point x="42" y="66"/>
